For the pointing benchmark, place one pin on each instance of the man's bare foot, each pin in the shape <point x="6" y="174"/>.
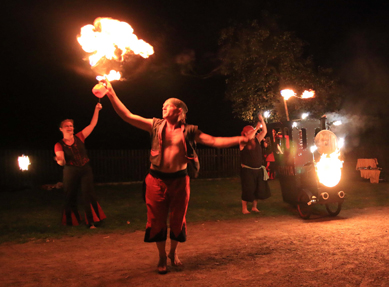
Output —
<point x="174" y="259"/>
<point x="254" y="209"/>
<point x="162" y="265"/>
<point x="245" y="211"/>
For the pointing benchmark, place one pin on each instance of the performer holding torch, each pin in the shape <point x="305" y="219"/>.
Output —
<point x="253" y="173"/>
<point x="167" y="184"/>
<point x="71" y="154"/>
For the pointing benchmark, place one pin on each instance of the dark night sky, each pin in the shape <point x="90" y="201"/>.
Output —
<point x="47" y="78"/>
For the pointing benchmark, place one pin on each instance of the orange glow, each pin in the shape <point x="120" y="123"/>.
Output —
<point x="329" y="169"/>
<point x="287" y="93"/>
<point x="112" y="76"/>
<point x="110" y="39"/>
<point x="24" y="162"/>
<point x="308" y="94"/>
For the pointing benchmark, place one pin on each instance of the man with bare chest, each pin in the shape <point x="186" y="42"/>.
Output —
<point x="168" y="182"/>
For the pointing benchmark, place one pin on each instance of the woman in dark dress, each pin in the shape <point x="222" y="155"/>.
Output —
<point x="77" y="173"/>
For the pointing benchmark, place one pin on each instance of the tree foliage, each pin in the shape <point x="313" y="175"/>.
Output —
<point x="260" y="60"/>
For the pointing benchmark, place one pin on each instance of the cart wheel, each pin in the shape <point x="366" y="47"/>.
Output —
<point x="333" y="209"/>
<point x="303" y="208"/>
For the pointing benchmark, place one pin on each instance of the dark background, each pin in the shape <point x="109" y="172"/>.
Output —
<point x="46" y="79"/>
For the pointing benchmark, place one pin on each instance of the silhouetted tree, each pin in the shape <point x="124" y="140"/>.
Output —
<point x="259" y="60"/>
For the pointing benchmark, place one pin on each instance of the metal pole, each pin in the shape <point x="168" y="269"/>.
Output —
<point x="286" y="110"/>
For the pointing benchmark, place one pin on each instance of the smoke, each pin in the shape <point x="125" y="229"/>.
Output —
<point x="204" y="67"/>
<point x="186" y="60"/>
<point x="363" y="69"/>
<point x="353" y="126"/>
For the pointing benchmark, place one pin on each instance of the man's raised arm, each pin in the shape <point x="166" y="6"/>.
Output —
<point x="261" y="124"/>
<point x="124" y="113"/>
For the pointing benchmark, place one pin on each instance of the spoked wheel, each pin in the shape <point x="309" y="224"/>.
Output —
<point x="303" y="208"/>
<point x="334" y="208"/>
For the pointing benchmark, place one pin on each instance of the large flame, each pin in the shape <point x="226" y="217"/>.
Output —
<point x="24" y="162"/>
<point x="111" y="39"/>
<point x="329" y="169"/>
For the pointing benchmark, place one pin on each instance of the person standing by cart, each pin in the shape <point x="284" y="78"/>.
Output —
<point x="253" y="173"/>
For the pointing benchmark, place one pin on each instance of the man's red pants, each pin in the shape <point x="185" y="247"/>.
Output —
<point x="166" y="197"/>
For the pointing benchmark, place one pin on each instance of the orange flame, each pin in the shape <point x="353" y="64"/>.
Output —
<point x="111" y="39"/>
<point x="308" y="94"/>
<point x="287" y="93"/>
<point x="24" y="162"/>
<point x="329" y="169"/>
<point x="113" y="75"/>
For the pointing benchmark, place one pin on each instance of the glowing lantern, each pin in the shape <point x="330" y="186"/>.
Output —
<point x="24" y="162"/>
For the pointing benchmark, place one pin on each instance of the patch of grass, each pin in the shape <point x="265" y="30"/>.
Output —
<point x="34" y="214"/>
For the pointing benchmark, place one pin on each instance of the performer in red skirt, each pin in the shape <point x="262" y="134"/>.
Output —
<point x="71" y="154"/>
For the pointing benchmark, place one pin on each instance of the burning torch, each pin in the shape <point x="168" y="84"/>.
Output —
<point x="288" y="93"/>
<point x="110" y="39"/>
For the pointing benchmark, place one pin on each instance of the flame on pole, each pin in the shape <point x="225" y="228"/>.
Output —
<point x="286" y="94"/>
<point x="24" y="162"/>
<point x="308" y="94"/>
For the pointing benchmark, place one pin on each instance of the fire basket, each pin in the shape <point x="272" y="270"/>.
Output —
<point x="309" y="165"/>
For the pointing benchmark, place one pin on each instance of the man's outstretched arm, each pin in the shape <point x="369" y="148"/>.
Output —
<point x="124" y="113"/>
<point x="219" y="142"/>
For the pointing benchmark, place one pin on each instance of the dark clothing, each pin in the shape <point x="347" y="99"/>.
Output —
<point x="167" y="194"/>
<point x="251" y="154"/>
<point x="254" y="186"/>
<point x="75" y="154"/>
<point x="73" y="178"/>
<point x="78" y="173"/>
<point x="189" y="132"/>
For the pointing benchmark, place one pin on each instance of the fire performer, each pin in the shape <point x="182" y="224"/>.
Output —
<point x="253" y="173"/>
<point x="71" y="154"/>
<point x="167" y="184"/>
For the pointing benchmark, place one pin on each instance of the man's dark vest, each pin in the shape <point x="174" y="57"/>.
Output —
<point x="189" y="133"/>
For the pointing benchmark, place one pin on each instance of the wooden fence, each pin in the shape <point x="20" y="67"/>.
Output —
<point x="108" y="166"/>
<point x="132" y="165"/>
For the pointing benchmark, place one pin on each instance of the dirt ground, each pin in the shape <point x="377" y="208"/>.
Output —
<point x="348" y="250"/>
